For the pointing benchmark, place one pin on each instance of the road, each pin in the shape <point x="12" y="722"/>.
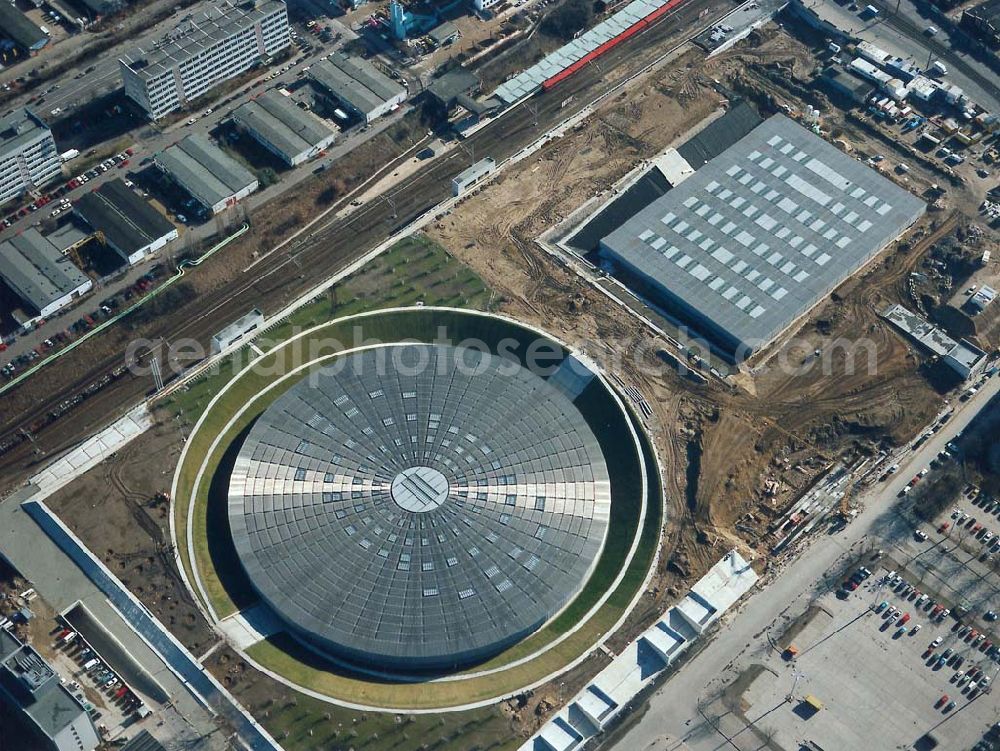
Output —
<point x="281" y="276"/>
<point x="903" y="34"/>
<point x="672" y="720"/>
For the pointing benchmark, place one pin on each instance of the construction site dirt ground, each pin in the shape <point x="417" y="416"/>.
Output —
<point x="113" y="509"/>
<point x="718" y="447"/>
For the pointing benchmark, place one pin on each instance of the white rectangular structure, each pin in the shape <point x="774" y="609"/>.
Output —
<point x="638" y="664"/>
<point x="237" y="330"/>
<point x="472" y="175"/>
<point x="206" y="48"/>
<point x="28" y="155"/>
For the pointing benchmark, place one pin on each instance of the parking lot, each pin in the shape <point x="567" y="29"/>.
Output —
<point x="877" y="684"/>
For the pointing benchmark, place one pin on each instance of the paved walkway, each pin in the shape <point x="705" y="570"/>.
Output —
<point x="92" y="452"/>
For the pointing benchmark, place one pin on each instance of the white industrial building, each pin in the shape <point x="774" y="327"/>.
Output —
<point x="28" y="155"/>
<point x="44" y="279"/>
<point x="213" y="178"/>
<point x="290" y="133"/>
<point x="237" y="330"/>
<point x="207" y="47"/>
<point x="964" y="357"/>
<point x="982" y="298"/>
<point x="641" y="662"/>
<point x="358" y="86"/>
<point x="470" y="176"/>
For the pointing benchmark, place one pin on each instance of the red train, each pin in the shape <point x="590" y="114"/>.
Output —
<point x="631" y="31"/>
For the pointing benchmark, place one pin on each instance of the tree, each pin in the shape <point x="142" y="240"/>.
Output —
<point x="569" y="18"/>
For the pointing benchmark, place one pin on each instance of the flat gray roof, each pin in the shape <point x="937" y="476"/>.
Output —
<point x="288" y="128"/>
<point x="204" y="170"/>
<point x="920" y="329"/>
<point x="197" y="32"/>
<point x="355" y="81"/>
<point x="127" y="221"/>
<point x="20" y="28"/>
<point x="30" y="680"/>
<point x="19" y="128"/>
<point x="757" y="236"/>
<point x="419" y="505"/>
<point x="37" y="270"/>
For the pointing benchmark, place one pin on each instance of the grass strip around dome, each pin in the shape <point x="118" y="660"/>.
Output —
<point x="227" y="590"/>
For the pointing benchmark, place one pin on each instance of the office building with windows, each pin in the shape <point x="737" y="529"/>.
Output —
<point x="205" y="49"/>
<point x="28" y="155"/>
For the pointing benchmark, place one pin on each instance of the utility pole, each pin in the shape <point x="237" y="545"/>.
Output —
<point x="392" y="205"/>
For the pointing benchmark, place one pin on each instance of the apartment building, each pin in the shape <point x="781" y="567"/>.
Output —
<point x="28" y="155"/>
<point x="205" y="49"/>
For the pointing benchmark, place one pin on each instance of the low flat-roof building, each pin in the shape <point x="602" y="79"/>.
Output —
<point x="28" y="154"/>
<point x="846" y="85"/>
<point x="966" y="359"/>
<point x="470" y="176"/>
<point x="446" y="89"/>
<point x="444" y="34"/>
<point x="290" y="133"/>
<point x="130" y="226"/>
<point x="237" y="330"/>
<point x="46" y="714"/>
<point x="358" y="86"/>
<point x="207" y="47"/>
<point x="759" y="235"/>
<point x="982" y="298"/>
<point x="20" y="29"/>
<point x="40" y="274"/>
<point x="212" y="177"/>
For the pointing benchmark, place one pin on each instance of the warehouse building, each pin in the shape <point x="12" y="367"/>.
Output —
<point x="207" y="173"/>
<point x="290" y="133"/>
<point x="28" y="155"/>
<point x="759" y="235"/>
<point x="842" y="83"/>
<point x="358" y="86"/>
<point x="38" y="273"/>
<point x="46" y="714"/>
<point x="130" y="226"/>
<point x="208" y="47"/>
<point x="19" y="29"/>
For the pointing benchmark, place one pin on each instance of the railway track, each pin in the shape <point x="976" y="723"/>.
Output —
<point x="27" y="433"/>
